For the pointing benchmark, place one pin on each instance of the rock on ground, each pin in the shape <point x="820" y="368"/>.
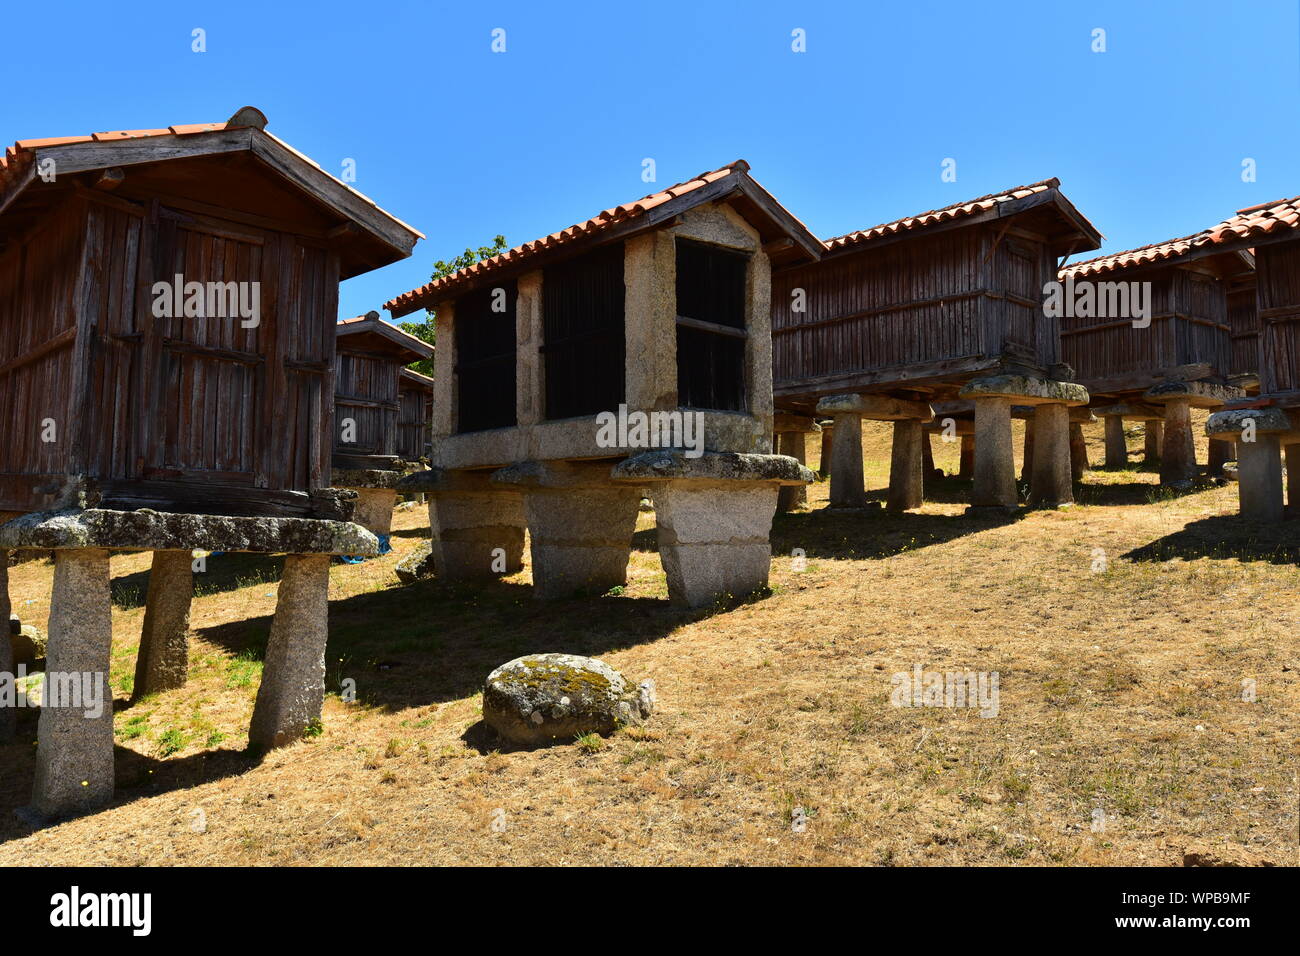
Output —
<point x="416" y="565"/>
<point x="541" y="698"/>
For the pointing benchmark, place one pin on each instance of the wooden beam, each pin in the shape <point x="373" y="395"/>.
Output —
<point x="109" y="179"/>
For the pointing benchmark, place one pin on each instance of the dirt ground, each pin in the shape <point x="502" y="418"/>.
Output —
<point x="1145" y="645"/>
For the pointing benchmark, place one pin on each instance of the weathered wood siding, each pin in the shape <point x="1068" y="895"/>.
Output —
<point x="1189" y="325"/>
<point x="367" y="392"/>
<point x="1278" y="297"/>
<point x="1243" y="323"/>
<point x="176" y="400"/>
<point x="413" y="418"/>
<point x="938" y="305"/>
<point x="38" y="316"/>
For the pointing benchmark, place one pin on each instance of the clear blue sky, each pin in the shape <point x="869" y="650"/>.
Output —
<point x="1147" y="138"/>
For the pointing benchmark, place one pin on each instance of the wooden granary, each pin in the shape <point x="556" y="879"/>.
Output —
<point x="167" y="311"/>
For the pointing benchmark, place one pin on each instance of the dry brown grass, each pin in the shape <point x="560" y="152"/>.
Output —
<point x="1120" y="690"/>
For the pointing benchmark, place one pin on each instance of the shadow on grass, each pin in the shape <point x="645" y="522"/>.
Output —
<point x="225" y="572"/>
<point x="1136" y="492"/>
<point x="872" y="533"/>
<point x="1226" y="536"/>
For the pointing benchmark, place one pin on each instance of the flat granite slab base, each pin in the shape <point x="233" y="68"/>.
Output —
<point x="147" y="530"/>
<point x="365" y="478"/>
<point x="670" y="464"/>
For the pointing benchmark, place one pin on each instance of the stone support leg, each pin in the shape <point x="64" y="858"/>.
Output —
<point x="995" y="478"/>
<point x="1027" y="462"/>
<point x="713" y="538"/>
<point x="848" y="489"/>
<point x="824" y="462"/>
<point x="163" y="661"/>
<point x="374" y="509"/>
<point x="581" y="537"/>
<point x="1292" y="477"/>
<point x="1259" y="478"/>
<point x="966" y="468"/>
<point x="1153" y="435"/>
<point x="1078" y="452"/>
<point x="905" y="469"/>
<point x="1050" y="483"/>
<point x="794" y="444"/>
<point x="1220" y="451"/>
<point x="8" y="714"/>
<point x="74" y="751"/>
<point x="477" y="531"/>
<point x="1116" y="445"/>
<point x="1178" y="454"/>
<point x="293" y="675"/>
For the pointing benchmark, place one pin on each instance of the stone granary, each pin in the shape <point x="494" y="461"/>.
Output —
<point x="942" y="307"/>
<point x="167" y="310"/>
<point x="1265" y="424"/>
<point x="370" y="356"/>
<point x="1150" y="333"/>
<point x="627" y="355"/>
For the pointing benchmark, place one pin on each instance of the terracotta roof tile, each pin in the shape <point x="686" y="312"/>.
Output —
<point x="597" y="223"/>
<point x="935" y="216"/>
<point x="1268" y="218"/>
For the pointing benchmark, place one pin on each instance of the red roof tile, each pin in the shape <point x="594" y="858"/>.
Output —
<point x="934" y="216"/>
<point x="1268" y="218"/>
<point x="1168" y="250"/>
<point x="597" y="223"/>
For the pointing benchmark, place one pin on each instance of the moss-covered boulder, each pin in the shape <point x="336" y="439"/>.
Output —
<point x="416" y="565"/>
<point x="542" y="698"/>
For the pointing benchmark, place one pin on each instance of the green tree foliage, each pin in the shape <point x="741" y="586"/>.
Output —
<point x="424" y="329"/>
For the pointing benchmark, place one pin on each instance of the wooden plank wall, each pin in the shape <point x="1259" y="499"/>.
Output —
<point x="367" y="393"/>
<point x="1243" y="323"/>
<point x="1189" y="325"/>
<point x="1278" y="297"/>
<point x="413" y="419"/>
<point x="38" y="316"/>
<point x="907" y="303"/>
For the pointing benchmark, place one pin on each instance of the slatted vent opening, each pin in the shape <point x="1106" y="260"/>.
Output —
<point x="583" y="345"/>
<point x="711" y="334"/>
<point x="485" y="359"/>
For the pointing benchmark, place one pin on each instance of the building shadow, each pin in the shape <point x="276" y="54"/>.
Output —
<point x="1226" y="536"/>
<point x="873" y="533"/>
<point x="225" y="572"/>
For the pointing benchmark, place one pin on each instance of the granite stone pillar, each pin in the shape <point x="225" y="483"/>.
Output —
<point x="8" y="714"/>
<point x="793" y="444"/>
<point x="1116" y="445"/>
<point x="476" y="530"/>
<point x="163" y="659"/>
<point x="906" y="482"/>
<point x="1051" y="483"/>
<point x="1259" y="478"/>
<point x="995" y="478"/>
<point x="848" y="488"/>
<point x="74" y="750"/>
<point x="1178" y="454"/>
<point x="1027" y="461"/>
<point x="292" y="691"/>
<point x="1153" y="435"/>
<point x="966" y="466"/>
<point x="1078" y="452"/>
<point x="1220" y="452"/>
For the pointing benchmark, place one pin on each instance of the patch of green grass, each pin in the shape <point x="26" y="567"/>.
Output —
<point x="590" y="743"/>
<point x="171" y="740"/>
<point x="243" y="669"/>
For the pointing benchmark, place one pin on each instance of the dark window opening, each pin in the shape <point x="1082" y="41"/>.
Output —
<point x="485" y="360"/>
<point x="583" y="345"/>
<point x="711" y="335"/>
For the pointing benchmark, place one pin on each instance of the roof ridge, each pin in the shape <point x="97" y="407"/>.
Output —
<point x="602" y="220"/>
<point x="1049" y="183"/>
